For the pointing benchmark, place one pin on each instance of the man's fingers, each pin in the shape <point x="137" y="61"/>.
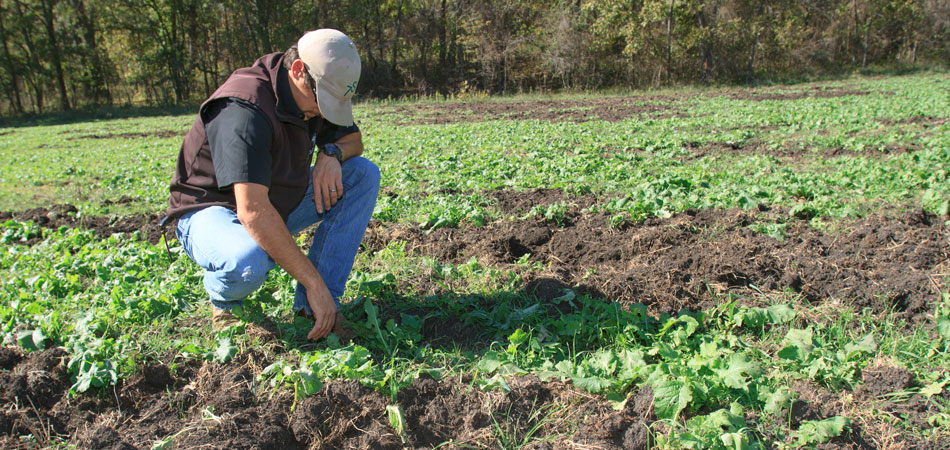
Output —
<point x="317" y="198"/>
<point x="322" y="325"/>
<point x="326" y="197"/>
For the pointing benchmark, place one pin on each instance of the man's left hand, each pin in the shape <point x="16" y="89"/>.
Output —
<point x="327" y="182"/>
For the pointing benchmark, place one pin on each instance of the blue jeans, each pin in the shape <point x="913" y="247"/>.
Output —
<point x="235" y="265"/>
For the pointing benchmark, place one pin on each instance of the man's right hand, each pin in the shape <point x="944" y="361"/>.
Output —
<point x="268" y="229"/>
<point x="324" y="311"/>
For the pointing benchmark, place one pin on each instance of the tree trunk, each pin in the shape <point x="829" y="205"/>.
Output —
<point x="100" y="89"/>
<point x="750" y="73"/>
<point x="669" y="43"/>
<point x="704" y="43"/>
<point x="395" y="55"/>
<point x="853" y="35"/>
<point x="57" y="54"/>
<point x="14" y="91"/>
<point x="442" y="39"/>
<point x="867" y="32"/>
<point x="31" y="75"/>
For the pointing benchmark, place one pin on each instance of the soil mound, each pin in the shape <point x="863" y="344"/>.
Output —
<point x="692" y="258"/>
<point x="222" y="406"/>
<point x="104" y="226"/>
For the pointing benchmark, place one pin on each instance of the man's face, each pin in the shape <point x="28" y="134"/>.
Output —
<point x="304" y="90"/>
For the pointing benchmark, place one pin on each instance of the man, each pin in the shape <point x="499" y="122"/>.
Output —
<point x="243" y="184"/>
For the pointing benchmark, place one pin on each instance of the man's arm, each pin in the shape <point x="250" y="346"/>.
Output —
<point x="266" y="227"/>
<point x="327" y="174"/>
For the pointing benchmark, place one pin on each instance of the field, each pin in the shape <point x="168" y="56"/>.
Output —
<point x="695" y="268"/>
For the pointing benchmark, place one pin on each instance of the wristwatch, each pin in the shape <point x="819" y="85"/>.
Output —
<point x="331" y="149"/>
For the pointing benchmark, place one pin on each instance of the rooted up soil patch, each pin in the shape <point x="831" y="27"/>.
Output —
<point x="222" y="406"/>
<point x="104" y="226"/>
<point x="155" y="134"/>
<point x="613" y="109"/>
<point x="692" y="258"/>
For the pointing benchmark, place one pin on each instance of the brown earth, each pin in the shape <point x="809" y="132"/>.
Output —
<point x="758" y="147"/>
<point x="104" y="226"/>
<point x="867" y="431"/>
<point x="692" y="259"/>
<point x="763" y="94"/>
<point x="610" y="109"/>
<point x="155" y="134"/>
<point x="221" y="406"/>
<point x="924" y="121"/>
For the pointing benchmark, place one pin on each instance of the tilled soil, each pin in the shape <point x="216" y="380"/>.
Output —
<point x="759" y="147"/>
<point x="104" y="226"/>
<point x="610" y="109"/>
<point x="221" y="406"/>
<point x="693" y="258"/>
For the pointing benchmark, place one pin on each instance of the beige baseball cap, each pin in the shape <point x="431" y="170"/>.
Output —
<point x="334" y="64"/>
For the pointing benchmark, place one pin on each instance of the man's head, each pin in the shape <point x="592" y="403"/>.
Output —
<point x="325" y="69"/>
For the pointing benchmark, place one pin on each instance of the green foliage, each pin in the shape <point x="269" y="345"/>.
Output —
<point x="812" y="432"/>
<point x="710" y="372"/>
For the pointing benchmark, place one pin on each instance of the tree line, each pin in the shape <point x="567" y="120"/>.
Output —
<point x="65" y="54"/>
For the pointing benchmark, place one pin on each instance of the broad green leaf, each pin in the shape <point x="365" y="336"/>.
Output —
<point x="225" y="351"/>
<point x="603" y="361"/>
<point x="310" y="382"/>
<point x="935" y="388"/>
<point x="371" y="312"/>
<point x="867" y="345"/>
<point x="565" y="367"/>
<point x="777" y="400"/>
<point x="800" y="338"/>
<point x="671" y="396"/>
<point x="709" y="350"/>
<point x="738" y="370"/>
<point x="32" y="340"/>
<point x="943" y="327"/>
<point x="489" y="363"/>
<point x="798" y="344"/>
<point x="751" y="318"/>
<point x="737" y="441"/>
<point x="779" y="314"/>
<point x="396" y="420"/>
<point x="813" y="432"/>
<point x="594" y="385"/>
<point x="518" y="337"/>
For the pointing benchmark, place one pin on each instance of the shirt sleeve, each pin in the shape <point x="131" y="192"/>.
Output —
<point x="240" y="137"/>
<point x="331" y="133"/>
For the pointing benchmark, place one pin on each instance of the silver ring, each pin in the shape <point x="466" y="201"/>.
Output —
<point x="332" y="190"/>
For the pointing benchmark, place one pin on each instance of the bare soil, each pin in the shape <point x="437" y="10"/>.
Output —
<point x="610" y="109"/>
<point x="155" y="134"/>
<point x="692" y="259"/>
<point x="756" y="146"/>
<point x="104" y="226"/>
<point x="688" y="261"/>
<point x="221" y="406"/>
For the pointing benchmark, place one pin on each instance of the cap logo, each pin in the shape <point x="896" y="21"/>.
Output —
<point x="350" y="88"/>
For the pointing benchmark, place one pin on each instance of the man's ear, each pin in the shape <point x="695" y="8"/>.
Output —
<point x="297" y="69"/>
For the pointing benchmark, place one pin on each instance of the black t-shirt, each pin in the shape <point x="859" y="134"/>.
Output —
<point x="240" y="137"/>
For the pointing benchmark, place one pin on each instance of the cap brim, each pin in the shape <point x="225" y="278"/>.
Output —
<point x="338" y="112"/>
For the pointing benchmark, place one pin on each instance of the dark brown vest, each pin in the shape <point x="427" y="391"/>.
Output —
<point x="194" y="185"/>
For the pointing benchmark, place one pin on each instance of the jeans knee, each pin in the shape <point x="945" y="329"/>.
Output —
<point x="369" y="175"/>
<point x="242" y="276"/>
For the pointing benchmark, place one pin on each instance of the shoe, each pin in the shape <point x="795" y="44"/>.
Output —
<point x="221" y="319"/>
